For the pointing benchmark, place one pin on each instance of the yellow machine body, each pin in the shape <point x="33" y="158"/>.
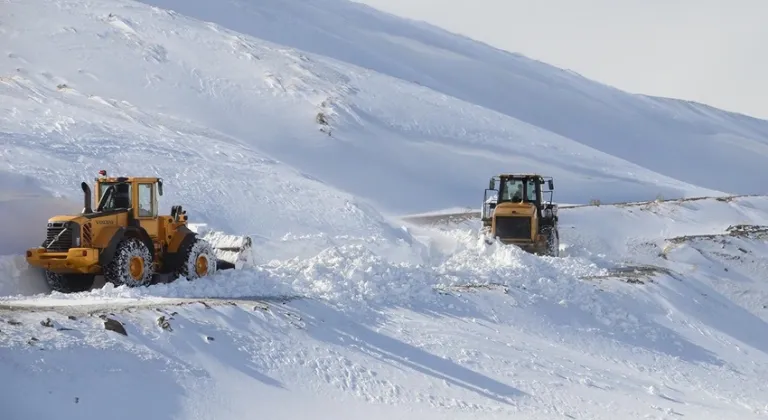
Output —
<point x="122" y="236"/>
<point x="516" y="212"/>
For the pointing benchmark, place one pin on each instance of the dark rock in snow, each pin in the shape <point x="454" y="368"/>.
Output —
<point x="115" y="325"/>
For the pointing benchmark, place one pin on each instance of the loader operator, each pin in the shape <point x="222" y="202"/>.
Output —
<point x="517" y="195"/>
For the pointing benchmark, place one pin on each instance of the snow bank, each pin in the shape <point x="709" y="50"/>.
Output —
<point x="17" y="278"/>
<point x="25" y="208"/>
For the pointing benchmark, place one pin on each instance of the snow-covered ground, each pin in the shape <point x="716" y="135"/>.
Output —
<point x="307" y="125"/>
<point x="480" y="332"/>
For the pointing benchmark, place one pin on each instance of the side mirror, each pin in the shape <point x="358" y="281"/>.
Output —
<point x="551" y="185"/>
<point x="160" y="187"/>
<point x="491" y="184"/>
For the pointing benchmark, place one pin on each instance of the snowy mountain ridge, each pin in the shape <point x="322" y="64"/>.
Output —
<point x="307" y="125"/>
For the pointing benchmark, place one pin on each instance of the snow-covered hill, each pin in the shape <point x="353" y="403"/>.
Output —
<point x="122" y="73"/>
<point x="674" y="138"/>
<point x="307" y="124"/>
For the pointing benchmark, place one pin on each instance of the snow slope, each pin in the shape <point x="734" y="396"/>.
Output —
<point x="308" y="150"/>
<point x="253" y="104"/>
<point x="671" y="137"/>
<point x="481" y="332"/>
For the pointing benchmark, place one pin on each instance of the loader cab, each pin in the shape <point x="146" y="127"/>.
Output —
<point x="519" y="190"/>
<point x="139" y="195"/>
<point x="526" y="190"/>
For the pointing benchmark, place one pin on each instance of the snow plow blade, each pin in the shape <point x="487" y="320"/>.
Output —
<point x="232" y="251"/>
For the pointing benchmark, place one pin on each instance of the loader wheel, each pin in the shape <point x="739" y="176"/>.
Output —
<point x="131" y="265"/>
<point x="69" y="283"/>
<point x="553" y="242"/>
<point x="199" y="260"/>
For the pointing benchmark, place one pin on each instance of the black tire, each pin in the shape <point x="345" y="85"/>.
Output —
<point x="69" y="283"/>
<point x="130" y="251"/>
<point x="553" y="241"/>
<point x="198" y="249"/>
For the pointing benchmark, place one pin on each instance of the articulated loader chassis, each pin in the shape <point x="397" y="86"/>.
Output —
<point x="515" y="212"/>
<point x="124" y="239"/>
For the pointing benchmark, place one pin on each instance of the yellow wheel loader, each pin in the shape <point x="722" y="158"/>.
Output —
<point x="516" y="212"/>
<point x="124" y="239"/>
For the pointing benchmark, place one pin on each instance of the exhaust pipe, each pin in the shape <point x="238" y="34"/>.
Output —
<point x="86" y="198"/>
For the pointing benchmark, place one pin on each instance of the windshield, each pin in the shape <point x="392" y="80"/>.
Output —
<point x="518" y="190"/>
<point x="512" y="190"/>
<point x="115" y="196"/>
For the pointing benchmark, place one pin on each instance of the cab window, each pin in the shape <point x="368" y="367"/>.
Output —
<point x="146" y="200"/>
<point x="512" y="190"/>
<point x="119" y="196"/>
<point x="531" y="190"/>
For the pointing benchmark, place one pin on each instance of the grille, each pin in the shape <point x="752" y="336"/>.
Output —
<point x="87" y="234"/>
<point x="513" y="227"/>
<point x="58" y="238"/>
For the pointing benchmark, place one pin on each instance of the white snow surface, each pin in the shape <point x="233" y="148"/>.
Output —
<point x="537" y="337"/>
<point x="137" y="81"/>
<point x="344" y="311"/>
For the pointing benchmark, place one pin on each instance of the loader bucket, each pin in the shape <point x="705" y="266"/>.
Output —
<point x="232" y="251"/>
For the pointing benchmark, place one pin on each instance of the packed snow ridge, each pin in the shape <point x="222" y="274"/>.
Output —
<point x="311" y="125"/>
